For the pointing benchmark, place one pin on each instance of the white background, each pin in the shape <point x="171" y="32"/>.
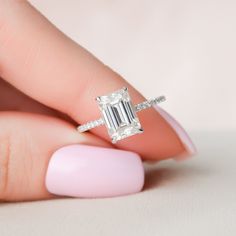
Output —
<point x="183" y="49"/>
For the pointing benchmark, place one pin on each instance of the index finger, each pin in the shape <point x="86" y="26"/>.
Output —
<point x="42" y="62"/>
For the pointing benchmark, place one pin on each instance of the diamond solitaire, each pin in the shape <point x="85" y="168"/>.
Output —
<point x="119" y="114"/>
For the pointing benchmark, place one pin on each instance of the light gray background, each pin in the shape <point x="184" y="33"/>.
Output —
<point x="185" y="50"/>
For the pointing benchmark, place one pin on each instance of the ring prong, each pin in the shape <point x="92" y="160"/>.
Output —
<point x="113" y="140"/>
<point x="98" y="98"/>
<point x="125" y="89"/>
<point x="141" y="130"/>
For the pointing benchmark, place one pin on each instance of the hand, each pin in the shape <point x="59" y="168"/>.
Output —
<point x="48" y="86"/>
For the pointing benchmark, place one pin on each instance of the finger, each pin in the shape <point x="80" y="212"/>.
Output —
<point x="45" y="64"/>
<point x="12" y="99"/>
<point x="27" y="143"/>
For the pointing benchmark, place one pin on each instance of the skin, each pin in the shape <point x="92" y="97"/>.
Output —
<point x="48" y="86"/>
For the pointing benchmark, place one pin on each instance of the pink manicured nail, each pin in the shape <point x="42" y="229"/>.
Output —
<point x="92" y="172"/>
<point x="184" y="137"/>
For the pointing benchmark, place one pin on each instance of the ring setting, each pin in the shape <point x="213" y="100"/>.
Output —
<point x="119" y="115"/>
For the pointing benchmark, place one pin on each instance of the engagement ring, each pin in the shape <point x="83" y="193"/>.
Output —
<point x="119" y="114"/>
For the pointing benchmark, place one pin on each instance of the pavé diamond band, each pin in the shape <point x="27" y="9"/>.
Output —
<point x="119" y="114"/>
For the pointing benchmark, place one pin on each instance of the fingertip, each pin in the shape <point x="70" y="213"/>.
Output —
<point x="189" y="147"/>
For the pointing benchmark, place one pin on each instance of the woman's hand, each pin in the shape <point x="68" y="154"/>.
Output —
<point x="48" y="86"/>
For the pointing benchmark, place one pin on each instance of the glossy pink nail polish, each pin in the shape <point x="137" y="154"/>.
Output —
<point x="92" y="172"/>
<point x="183" y="136"/>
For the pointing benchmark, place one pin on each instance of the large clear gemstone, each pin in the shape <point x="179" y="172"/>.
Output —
<point x="119" y="115"/>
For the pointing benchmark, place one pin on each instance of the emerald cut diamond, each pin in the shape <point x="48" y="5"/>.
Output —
<point x="119" y="115"/>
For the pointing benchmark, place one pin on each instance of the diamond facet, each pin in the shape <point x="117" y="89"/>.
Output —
<point x="119" y="115"/>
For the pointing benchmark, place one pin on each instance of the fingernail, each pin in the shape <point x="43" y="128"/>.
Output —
<point x="183" y="136"/>
<point x="93" y="172"/>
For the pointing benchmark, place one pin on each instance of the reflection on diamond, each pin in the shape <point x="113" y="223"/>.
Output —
<point x="119" y="115"/>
